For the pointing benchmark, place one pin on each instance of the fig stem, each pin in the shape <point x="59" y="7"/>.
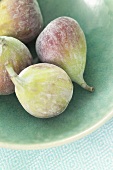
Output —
<point x="13" y="75"/>
<point x="87" y="87"/>
<point x="10" y="70"/>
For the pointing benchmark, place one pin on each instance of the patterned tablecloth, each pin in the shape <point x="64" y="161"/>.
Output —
<point x="94" y="152"/>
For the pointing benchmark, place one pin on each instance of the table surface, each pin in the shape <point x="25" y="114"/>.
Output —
<point x="93" y="152"/>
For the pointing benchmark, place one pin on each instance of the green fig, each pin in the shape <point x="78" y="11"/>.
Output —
<point x="17" y="54"/>
<point x="44" y="90"/>
<point x="63" y="43"/>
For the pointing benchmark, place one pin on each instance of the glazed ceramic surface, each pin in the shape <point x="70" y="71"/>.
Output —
<point x="87" y="111"/>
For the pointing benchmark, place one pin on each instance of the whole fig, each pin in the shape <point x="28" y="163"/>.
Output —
<point x="15" y="53"/>
<point x="44" y="90"/>
<point x="63" y="43"/>
<point x="21" y="19"/>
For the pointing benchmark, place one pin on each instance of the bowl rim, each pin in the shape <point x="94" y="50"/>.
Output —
<point x="58" y="142"/>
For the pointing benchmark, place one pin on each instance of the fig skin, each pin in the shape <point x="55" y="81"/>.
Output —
<point x="21" y="19"/>
<point x="44" y="90"/>
<point x="63" y="43"/>
<point x="15" y="53"/>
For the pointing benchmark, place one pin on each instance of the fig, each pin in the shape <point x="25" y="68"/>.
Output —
<point x="15" y="53"/>
<point x="21" y="19"/>
<point x="44" y="90"/>
<point x="63" y="43"/>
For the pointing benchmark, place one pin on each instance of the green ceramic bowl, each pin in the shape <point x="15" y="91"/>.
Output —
<point x="87" y="111"/>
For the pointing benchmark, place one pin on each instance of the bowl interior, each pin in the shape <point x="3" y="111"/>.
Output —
<point x="85" y="109"/>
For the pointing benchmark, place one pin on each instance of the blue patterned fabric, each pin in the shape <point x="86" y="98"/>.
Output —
<point x="94" y="152"/>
